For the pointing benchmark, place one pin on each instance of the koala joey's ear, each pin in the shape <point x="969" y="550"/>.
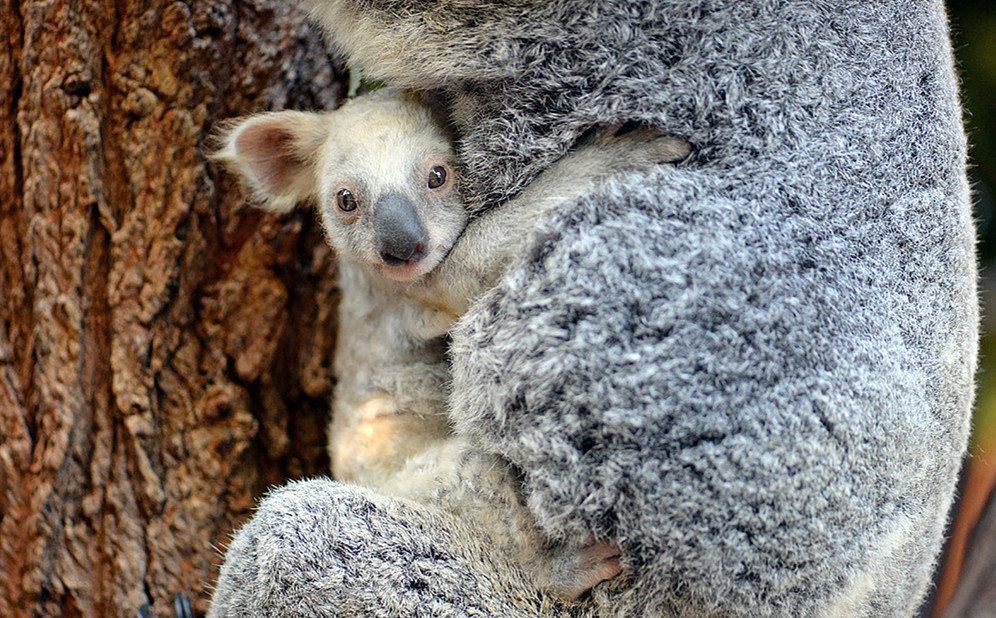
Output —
<point x="275" y="154"/>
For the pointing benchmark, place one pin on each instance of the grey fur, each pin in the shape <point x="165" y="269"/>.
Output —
<point x="754" y="374"/>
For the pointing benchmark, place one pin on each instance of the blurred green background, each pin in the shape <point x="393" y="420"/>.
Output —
<point x="973" y="24"/>
<point x="973" y="30"/>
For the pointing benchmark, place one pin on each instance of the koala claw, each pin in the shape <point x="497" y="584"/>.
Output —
<point x="181" y="607"/>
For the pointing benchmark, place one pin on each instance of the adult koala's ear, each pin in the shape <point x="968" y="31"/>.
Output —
<point x="275" y="154"/>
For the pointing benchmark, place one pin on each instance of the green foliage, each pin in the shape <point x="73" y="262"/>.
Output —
<point x="974" y="32"/>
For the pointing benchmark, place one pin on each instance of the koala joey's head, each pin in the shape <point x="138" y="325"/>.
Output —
<point x="380" y="170"/>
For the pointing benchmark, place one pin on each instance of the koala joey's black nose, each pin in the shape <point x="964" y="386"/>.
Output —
<point x="401" y="237"/>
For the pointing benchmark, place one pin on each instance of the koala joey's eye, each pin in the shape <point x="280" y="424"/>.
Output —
<point x="345" y="200"/>
<point x="437" y="177"/>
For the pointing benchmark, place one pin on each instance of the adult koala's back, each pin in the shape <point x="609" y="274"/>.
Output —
<point x="753" y="373"/>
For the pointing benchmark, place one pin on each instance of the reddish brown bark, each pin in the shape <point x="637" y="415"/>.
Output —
<point x="966" y="583"/>
<point x="164" y="351"/>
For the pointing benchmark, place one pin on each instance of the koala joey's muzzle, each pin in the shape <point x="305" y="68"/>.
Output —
<point x="401" y="237"/>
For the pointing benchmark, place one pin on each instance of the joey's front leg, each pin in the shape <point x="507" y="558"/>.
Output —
<point x="491" y="241"/>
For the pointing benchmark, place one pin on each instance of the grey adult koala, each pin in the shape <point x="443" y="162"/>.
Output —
<point x="754" y="374"/>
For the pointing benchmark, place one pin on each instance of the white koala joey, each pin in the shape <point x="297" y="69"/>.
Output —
<point x="383" y="175"/>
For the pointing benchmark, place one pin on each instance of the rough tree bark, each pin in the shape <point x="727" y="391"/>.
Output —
<point x="164" y="351"/>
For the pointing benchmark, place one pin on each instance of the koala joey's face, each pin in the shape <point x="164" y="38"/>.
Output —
<point x="387" y="188"/>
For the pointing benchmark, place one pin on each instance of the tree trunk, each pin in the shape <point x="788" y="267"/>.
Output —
<point x="975" y="594"/>
<point x="164" y="350"/>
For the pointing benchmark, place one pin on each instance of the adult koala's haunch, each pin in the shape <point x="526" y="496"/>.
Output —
<point x="753" y="373"/>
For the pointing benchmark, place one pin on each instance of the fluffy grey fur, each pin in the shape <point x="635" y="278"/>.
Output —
<point x="753" y="373"/>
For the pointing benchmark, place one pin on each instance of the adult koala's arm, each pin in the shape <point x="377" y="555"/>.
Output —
<point x="753" y="373"/>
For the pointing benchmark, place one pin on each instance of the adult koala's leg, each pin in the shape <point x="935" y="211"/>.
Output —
<point x="321" y="548"/>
